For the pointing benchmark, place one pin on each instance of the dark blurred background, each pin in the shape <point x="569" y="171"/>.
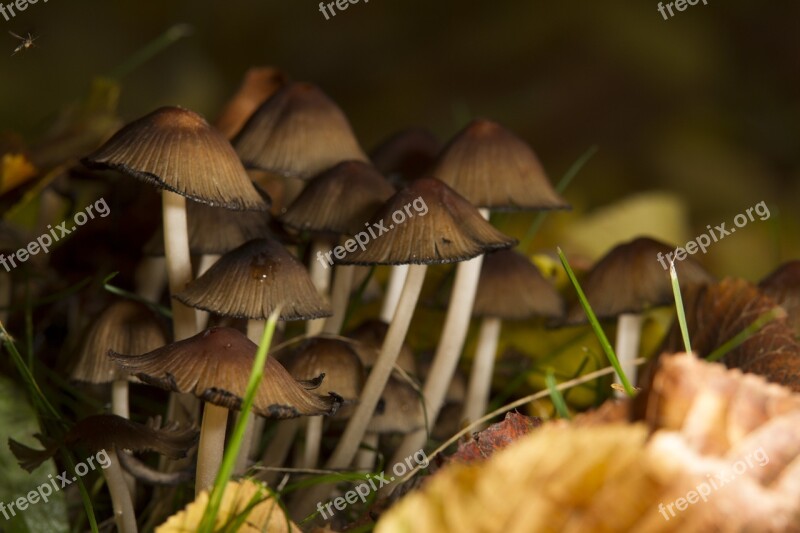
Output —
<point x="703" y="106"/>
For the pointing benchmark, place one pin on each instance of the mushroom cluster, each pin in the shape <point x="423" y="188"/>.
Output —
<point x="277" y="210"/>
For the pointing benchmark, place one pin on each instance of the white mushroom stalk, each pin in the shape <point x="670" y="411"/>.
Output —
<point x="179" y="273"/>
<point x="629" y="330"/>
<point x="340" y="297"/>
<point x="255" y="330"/>
<point x="451" y="343"/>
<point x="480" y="381"/>
<point x="394" y="288"/>
<point x="350" y="440"/>
<point x="121" y="501"/>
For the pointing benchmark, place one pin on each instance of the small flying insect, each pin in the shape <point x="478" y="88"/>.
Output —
<point x="27" y="42"/>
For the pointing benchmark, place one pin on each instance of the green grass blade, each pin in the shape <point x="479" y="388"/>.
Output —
<point x="151" y="49"/>
<point x="562" y="185"/>
<point x="676" y="291"/>
<point x="37" y="396"/>
<point x="235" y="442"/>
<point x="598" y="330"/>
<point x="738" y="339"/>
<point x="555" y="395"/>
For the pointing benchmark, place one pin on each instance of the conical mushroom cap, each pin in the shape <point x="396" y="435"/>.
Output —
<point x="215" y="366"/>
<point x="252" y="280"/>
<point x="298" y="132"/>
<point x="214" y="230"/>
<point x="369" y="336"/>
<point x="340" y="200"/>
<point x="426" y="223"/>
<point x="630" y="279"/>
<point x="400" y="409"/>
<point x="124" y="326"/>
<point x="335" y="358"/>
<point x="512" y="288"/>
<point x="493" y="168"/>
<point x="258" y="85"/>
<point x="176" y="149"/>
<point x="409" y="153"/>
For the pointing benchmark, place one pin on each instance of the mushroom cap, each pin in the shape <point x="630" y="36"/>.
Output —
<point x="176" y="149"/>
<point x="109" y="432"/>
<point x="783" y="286"/>
<point x="124" y="326"/>
<point x="252" y="280"/>
<point x="399" y="410"/>
<point x="442" y="227"/>
<point x="410" y="153"/>
<point x="215" y="366"/>
<point x="258" y="84"/>
<point x="630" y="279"/>
<point x="493" y="168"/>
<point x="298" y="132"/>
<point x="336" y="358"/>
<point x="512" y="288"/>
<point x="369" y="337"/>
<point x="214" y="230"/>
<point x="339" y="199"/>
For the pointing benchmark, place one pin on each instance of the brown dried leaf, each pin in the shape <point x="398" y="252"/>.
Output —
<point x="482" y="445"/>
<point x="716" y="313"/>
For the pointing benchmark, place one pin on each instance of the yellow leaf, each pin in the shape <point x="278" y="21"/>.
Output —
<point x="265" y="516"/>
<point x="15" y="169"/>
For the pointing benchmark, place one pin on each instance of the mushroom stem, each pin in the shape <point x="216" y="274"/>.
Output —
<point x="121" y="501"/>
<point x="151" y="277"/>
<point x="349" y="442"/>
<point x="629" y="330"/>
<point x="211" y="447"/>
<point x="320" y="274"/>
<point x="179" y="264"/>
<point x="480" y="380"/>
<point x="206" y="262"/>
<point x="397" y="278"/>
<point x="340" y="296"/>
<point x="371" y="393"/>
<point x="179" y="273"/>
<point x="119" y="398"/>
<point x="278" y="448"/>
<point x="368" y="453"/>
<point x="255" y="330"/>
<point x="447" y="354"/>
<point x="313" y="441"/>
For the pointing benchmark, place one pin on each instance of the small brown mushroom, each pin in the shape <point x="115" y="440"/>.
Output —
<point x="510" y="288"/>
<point x="107" y="435"/>
<point x="215" y="366"/>
<point x="338" y="361"/>
<point x="298" y="132"/>
<point x="126" y="327"/>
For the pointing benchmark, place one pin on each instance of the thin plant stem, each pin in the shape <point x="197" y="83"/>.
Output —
<point x="598" y="330"/>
